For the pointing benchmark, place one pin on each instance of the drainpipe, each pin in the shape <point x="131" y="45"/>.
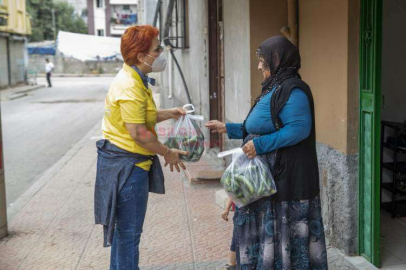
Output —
<point x="3" y="205"/>
<point x="291" y="31"/>
<point x="170" y="76"/>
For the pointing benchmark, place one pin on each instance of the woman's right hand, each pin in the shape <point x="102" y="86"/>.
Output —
<point x="216" y="126"/>
<point x="172" y="158"/>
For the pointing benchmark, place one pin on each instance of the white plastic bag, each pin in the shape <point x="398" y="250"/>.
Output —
<point x="246" y="180"/>
<point x="187" y="136"/>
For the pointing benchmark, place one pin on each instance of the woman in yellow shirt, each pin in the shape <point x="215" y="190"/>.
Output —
<point x="129" y="139"/>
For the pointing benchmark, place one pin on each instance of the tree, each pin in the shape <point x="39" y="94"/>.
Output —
<point x="65" y="19"/>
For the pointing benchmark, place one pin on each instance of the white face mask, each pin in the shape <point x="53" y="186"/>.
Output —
<point x="159" y="64"/>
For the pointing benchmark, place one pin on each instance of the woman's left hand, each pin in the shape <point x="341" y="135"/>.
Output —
<point x="177" y="112"/>
<point x="249" y="150"/>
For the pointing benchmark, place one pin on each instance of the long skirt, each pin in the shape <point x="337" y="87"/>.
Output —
<point x="280" y="235"/>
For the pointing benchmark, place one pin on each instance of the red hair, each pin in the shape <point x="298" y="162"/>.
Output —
<point x="137" y="39"/>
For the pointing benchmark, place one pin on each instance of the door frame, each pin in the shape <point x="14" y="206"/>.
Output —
<point x="216" y="68"/>
<point x="370" y="130"/>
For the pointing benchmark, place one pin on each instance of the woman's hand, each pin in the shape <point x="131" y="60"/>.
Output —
<point x="177" y="112"/>
<point x="216" y="126"/>
<point x="172" y="158"/>
<point x="225" y="214"/>
<point x="249" y="149"/>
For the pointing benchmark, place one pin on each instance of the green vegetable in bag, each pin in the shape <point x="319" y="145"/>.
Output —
<point x="188" y="136"/>
<point x="247" y="180"/>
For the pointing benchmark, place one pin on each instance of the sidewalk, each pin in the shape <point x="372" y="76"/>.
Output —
<point x="52" y="227"/>
<point x="55" y="227"/>
<point x="12" y="93"/>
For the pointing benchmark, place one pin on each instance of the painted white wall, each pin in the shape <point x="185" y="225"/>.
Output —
<point x="194" y="64"/>
<point x="237" y="59"/>
<point x="393" y="69"/>
<point x="123" y="2"/>
<point x="99" y="17"/>
<point x="149" y="11"/>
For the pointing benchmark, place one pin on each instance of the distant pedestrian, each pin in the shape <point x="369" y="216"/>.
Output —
<point x="49" y="66"/>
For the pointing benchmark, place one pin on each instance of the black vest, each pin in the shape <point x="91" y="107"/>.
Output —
<point x="296" y="170"/>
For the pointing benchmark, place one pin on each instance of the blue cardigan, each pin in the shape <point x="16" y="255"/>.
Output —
<point x="296" y="118"/>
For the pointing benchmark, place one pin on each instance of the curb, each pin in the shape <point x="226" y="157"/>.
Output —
<point x="33" y="88"/>
<point x="12" y="93"/>
<point x="48" y="175"/>
<point x="69" y="75"/>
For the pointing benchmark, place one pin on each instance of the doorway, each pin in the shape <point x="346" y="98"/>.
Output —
<point x="393" y="137"/>
<point x="216" y="68"/>
<point x="382" y="144"/>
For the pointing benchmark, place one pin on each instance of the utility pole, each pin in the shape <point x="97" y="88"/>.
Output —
<point x="53" y="22"/>
<point x="3" y="205"/>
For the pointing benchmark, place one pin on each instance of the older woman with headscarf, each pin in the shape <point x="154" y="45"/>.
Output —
<point x="284" y="231"/>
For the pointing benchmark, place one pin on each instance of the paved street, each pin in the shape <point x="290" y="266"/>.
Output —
<point x="41" y="126"/>
<point x="52" y="225"/>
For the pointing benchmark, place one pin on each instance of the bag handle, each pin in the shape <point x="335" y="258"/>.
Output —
<point x="230" y="152"/>
<point x="187" y="106"/>
<point x="192" y="109"/>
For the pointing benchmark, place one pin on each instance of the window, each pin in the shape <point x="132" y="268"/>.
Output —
<point x="18" y="4"/>
<point x="100" y="32"/>
<point x="184" y="22"/>
<point x="126" y="7"/>
<point x="178" y="34"/>
<point x="99" y="3"/>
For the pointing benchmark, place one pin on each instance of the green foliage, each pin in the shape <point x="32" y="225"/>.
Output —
<point x="65" y="19"/>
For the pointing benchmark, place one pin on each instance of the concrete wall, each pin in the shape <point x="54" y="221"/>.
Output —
<point x="3" y="60"/>
<point x="237" y="63"/>
<point x="328" y="42"/>
<point x="16" y="54"/>
<point x="323" y="42"/>
<point x="149" y="11"/>
<point x="265" y="22"/>
<point x="194" y="64"/>
<point x="17" y="60"/>
<point x="73" y="66"/>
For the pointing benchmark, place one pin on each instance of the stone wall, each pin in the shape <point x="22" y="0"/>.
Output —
<point x="339" y="196"/>
<point x="73" y="66"/>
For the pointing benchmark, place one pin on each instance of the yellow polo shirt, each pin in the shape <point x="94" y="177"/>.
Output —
<point x="129" y="101"/>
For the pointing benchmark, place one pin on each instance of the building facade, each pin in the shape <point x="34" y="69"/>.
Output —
<point x="355" y="83"/>
<point x="14" y="28"/>
<point x="111" y="17"/>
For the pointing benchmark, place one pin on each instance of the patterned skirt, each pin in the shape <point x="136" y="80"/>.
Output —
<point x="280" y="235"/>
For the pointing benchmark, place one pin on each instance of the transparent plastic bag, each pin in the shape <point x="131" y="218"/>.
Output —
<point x="246" y="180"/>
<point x="187" y="136"/>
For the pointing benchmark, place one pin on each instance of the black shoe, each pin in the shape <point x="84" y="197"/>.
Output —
<point x="229" y="267"/>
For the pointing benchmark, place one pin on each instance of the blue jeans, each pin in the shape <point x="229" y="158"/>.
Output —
<point x="130" y="214"/>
